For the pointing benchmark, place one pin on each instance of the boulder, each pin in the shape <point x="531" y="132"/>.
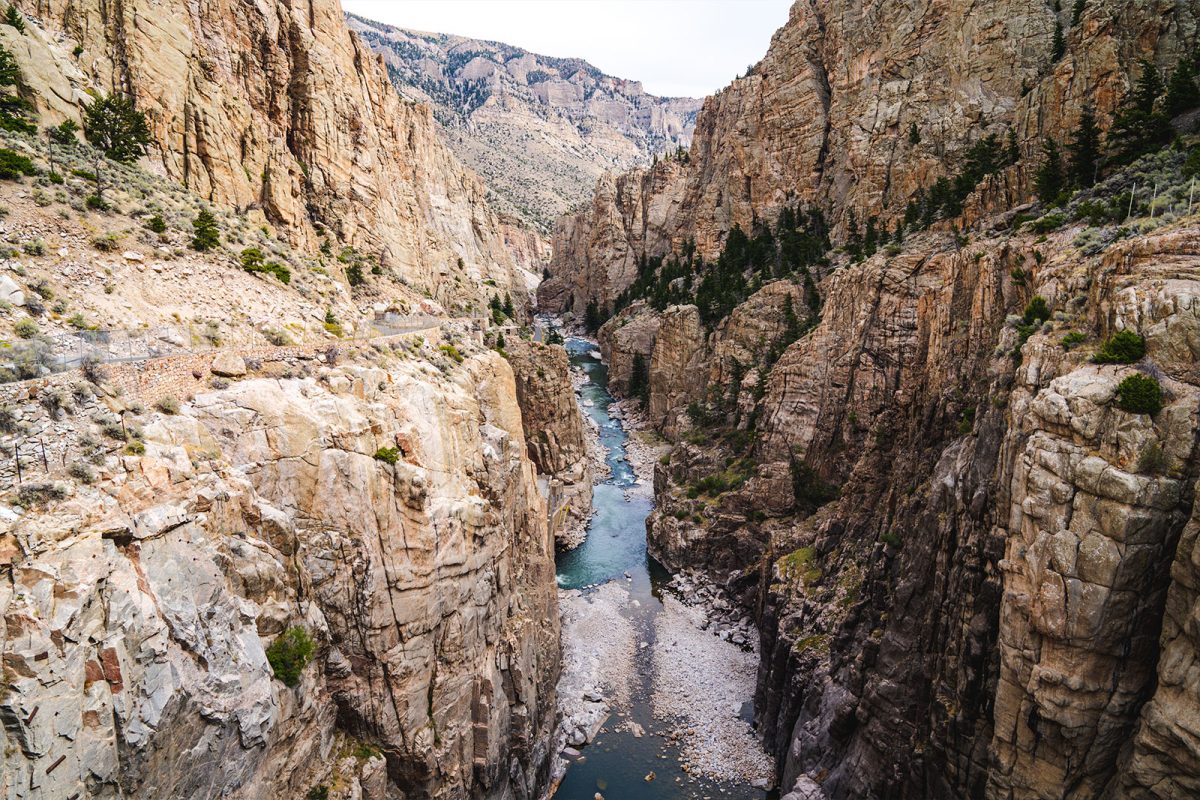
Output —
<point x="229" y="365"/>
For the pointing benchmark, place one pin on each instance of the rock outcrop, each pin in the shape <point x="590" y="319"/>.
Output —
<point x="278" y="110"/>
<point x="825" y="119"/>
<point x="554" y="433"/>
<point x="968" y="554"/>
<point x="989" y="589"/>
<point x="391" y="512"/>
<point x="539" y="129"/>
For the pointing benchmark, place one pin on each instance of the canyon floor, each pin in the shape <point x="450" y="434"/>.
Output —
<point x="655" y="698"/>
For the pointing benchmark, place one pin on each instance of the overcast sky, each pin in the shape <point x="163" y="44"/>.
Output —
<point x="675" y="47"/>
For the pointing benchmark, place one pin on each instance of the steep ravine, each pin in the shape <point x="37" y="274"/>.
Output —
<point x="663" y="700"/>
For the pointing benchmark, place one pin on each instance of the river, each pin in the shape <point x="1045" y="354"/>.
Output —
<point x="613" y="563"/>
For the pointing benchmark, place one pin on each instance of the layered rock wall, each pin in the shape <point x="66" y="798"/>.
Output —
<point x="554" y="432"/>
<point x="825" y="119"/>
<point x="142" y="601"/>
<point x="279" y="109"/>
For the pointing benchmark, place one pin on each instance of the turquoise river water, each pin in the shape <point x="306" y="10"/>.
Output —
<point x="616" y="763"/>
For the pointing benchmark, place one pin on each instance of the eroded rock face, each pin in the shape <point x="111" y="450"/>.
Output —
<point x="539" y="129"/>
<point x="553" y="431"/>
<point x="824" y="119"/>
<point x="135" y="626"/>
<point x="279" y="108"/>
<point x="987" y="591"/>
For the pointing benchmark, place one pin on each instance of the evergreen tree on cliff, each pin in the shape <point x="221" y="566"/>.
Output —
<point x="111" y="124"/>
<point x="1049" y="179"/>
<point x="1138" y="129"/>
<point x="1182" y="94"/>
<point x="1084" y="150"/>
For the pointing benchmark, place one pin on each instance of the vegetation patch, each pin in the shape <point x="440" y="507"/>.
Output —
<point x="290" y="653"/>
<point x="1140" y="394"/>
<point x="388" y="455"/>
<point x="1123" y="347"/>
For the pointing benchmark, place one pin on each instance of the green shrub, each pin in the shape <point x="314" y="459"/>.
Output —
<point x="452" y="351"/>
<point x="1153" y="460"/>
<point x="252" y="261"/>
<point x="808" y="490"/>
<point x="290" y="653"/>
<point x="167" y="405"/>
<point x="26" y="328"/>
<point x="891" y="539"/>
<point x="388" y="455"/>
<point x="1072" y="340"/>
<point x="13" y="165"/>
<point x="157" y="224"/>
<point x="64" y="133"/>
<point x="1123" y="347"/>
<point x="95" y="202"/>
<point x="1036" y="311"/>
<point x="1139" y="394"/>
<point x="206" y="233"/>
<point x="135" y="448"/>
<point x="1047" y="223"/>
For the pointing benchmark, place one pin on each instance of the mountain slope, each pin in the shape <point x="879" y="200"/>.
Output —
<point x="539" y="129"/>
<point x="827" y="118"/>
<point x="278" y="110"/>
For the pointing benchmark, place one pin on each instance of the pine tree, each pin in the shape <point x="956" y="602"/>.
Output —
<point x="1084" y="150"/>
<point x="591" y="317"/>
<point x="914" y="135"/>
<point x="1058" y="45"/>
<point x="111" y="124"/>
<point x="1012" y="149"/>
<point x="1049" y="178"/>
<point x="13" y="17"/>
<point x="791" y="323"/>
<point x="853" y="237"/>
<point x="14" y="109"/>
<point x="639" y="378"/>
<point x="1149" y="87"/>
<point x="207" y="234"/>
<point x="1138" y="129"/>
<point x="509" y="311"/>
<point x="1077" y="11"/>
<point x="1182" y="94"/>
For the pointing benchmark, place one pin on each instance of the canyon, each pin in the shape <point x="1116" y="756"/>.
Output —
<point x="866" y="470"/>
<point x="540" y="130"/>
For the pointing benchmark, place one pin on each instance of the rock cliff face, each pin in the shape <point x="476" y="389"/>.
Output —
<point x="554" y="429"/>
<point x="825" y="119"/>
<point x="136" y="622"/>
<point x="971" y="564"/>
<point x="989" y="589"/>
<point x="539" y="129"/>
<point x="279" y="109"/>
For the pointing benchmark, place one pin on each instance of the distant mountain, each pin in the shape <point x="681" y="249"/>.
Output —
<point x="539" y="129"/>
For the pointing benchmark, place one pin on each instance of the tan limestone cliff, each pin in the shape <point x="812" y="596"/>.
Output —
<point x="824" y="119"/>
<point x="141" y="603"/>
<point x="554" y="433"/>
<point x="279" y="110"/>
